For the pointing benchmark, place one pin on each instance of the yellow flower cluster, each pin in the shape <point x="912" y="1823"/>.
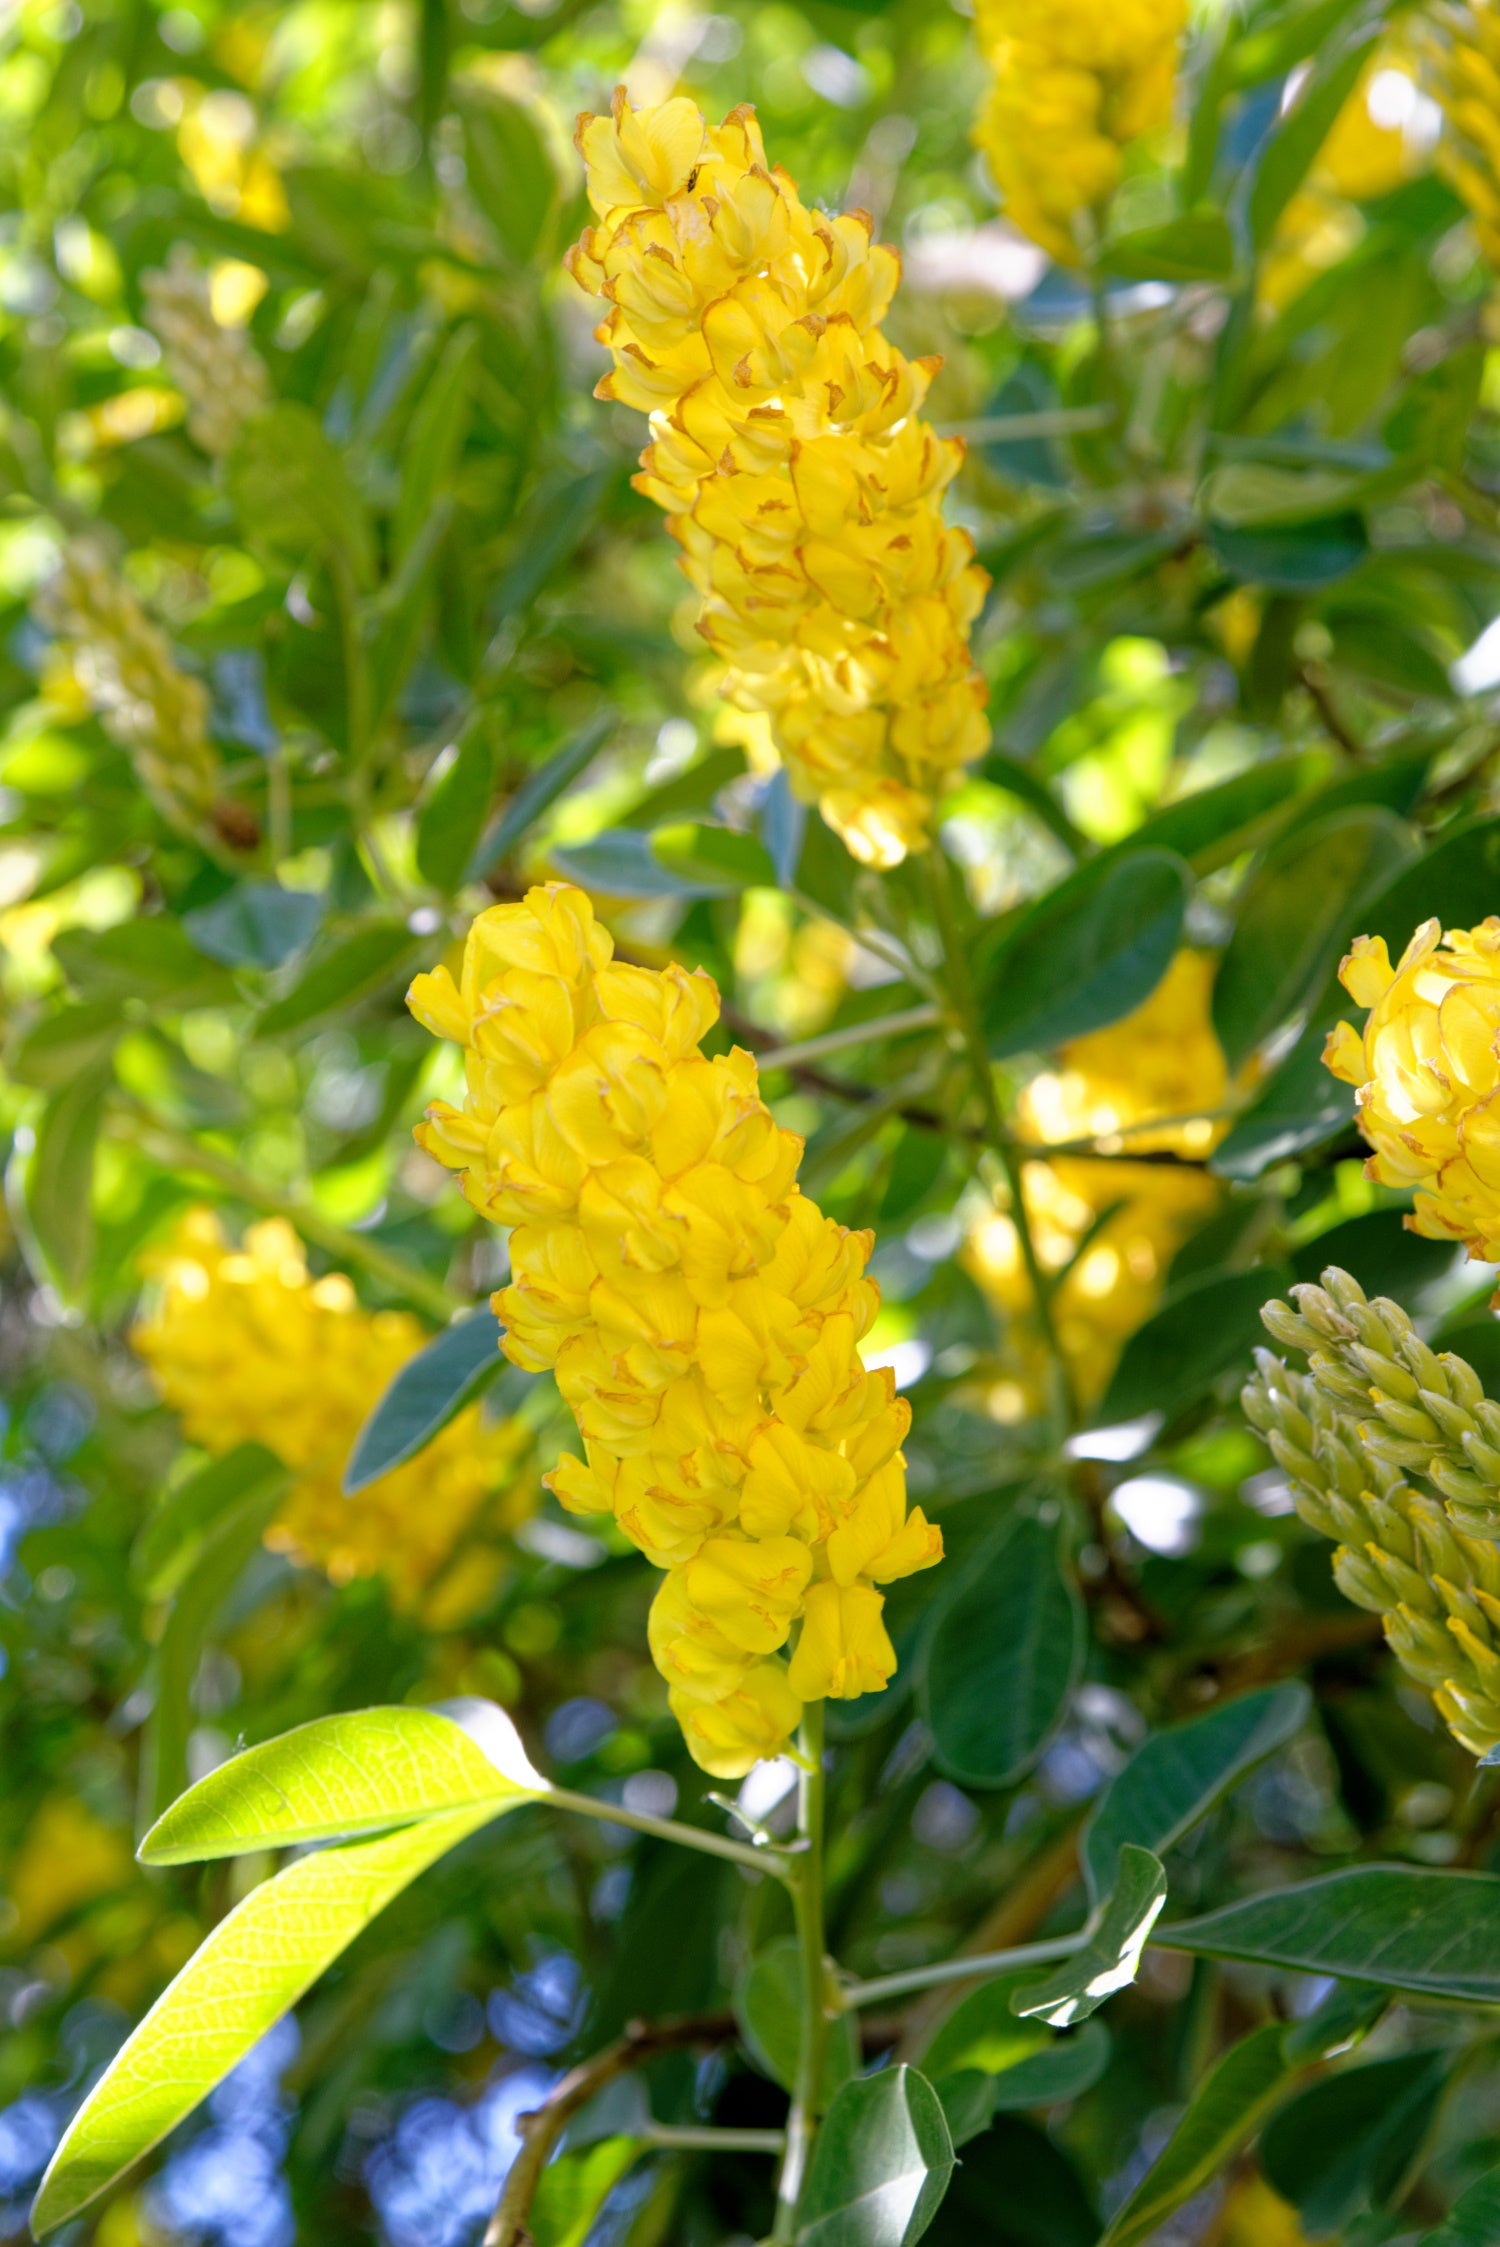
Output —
<point x="1468" y="86"/>
<point x="789" y="453"/>
<point x="1427" y="1073"/>
<point x="702" y="1317"/>
<point x="1162" y="1062"/>
<point x="218" y="370"/>
<point x="1074" y="84"/>
<point x="248" y="1348"/>
<point x="123" y="664"/>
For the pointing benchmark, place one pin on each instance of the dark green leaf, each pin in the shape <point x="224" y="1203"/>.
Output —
<point x="454" y="813"/>
<point x="1197" y="1335"/>
<point x="539" y="791"/>
<point x="1176" y="1776"/>
<point x="1384" y="1257"/>
<point x="1003" y="1658"/>
<point x="1027" y="2067"/>
<point x="363" y="963"/>
<point x="1197" y="248"/>
<point x="60" y="1176"/>
<point x="294" y="494"/>
<point x="1345" y="2143"/>
<point x="1209" y="827"/>
<point x="1457" y="881"/>
<point x="622" y="863"/>
<point x="172" y="1539"/>
<point x="1015" y="2187"/>
<point x="916" y="1166"/>
<point x="715" y="854"/>
<point x="69" y="1042"/>
<point x="1258" y="495"/>
<point x="1299" y="1105"/>
<point x="1110" y="1956"/>
<point x="1089" y="952"/>
<point x="510" y="173"/>
<point x="968" y="2103"/>
<point x="258" y="924"/>
<point x="148" y="959"/>
<point x="1292" y="921"/>
<point x="1474" y="2219"/>
<point x="430" y="1390"/>
<point x="880" y="2165"/>
<point x="768" y="2008"/>
<point x="1227" y="2106"/>
<point x="1296" y="558"/>
<point x="1429" y="1932"/>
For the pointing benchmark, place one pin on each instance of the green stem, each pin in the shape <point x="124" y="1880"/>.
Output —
<point x="691" y="2137"/>
<point x="175" y="1150"/>
<point x="807" y="1901"/>
<point x="853" y="1034"/>
<point x="973" y="1969"/>
<point x="669" y="1829"/>
<point x="966" y="1010"/>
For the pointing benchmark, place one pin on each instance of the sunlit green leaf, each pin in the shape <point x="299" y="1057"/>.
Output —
<point x="1110" y="1957"/>
<point x="1413" y="1930"/>
<point x="881" y="2163"/>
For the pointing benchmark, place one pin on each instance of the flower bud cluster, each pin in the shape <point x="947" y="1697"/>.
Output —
<point x="790" y="456"/>
<point x="1074" y="85"/>
<point x="124" y="665"/>
<point x="218" y="370"/>
<point x="701" y="1316"/>
<point x="1427" y="1076"/>
<point x="247" y="1347"/>
<point x="1467" y="84"/>
<point x="1402" y="1553"/>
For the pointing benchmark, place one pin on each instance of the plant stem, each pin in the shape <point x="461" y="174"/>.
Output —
<point x="670" y="1829"/>
<point x="853" y="1034"/>
<point x="961" y="1969"/>
<point x="966" y="1010"/>
<point x="176" y="1151"/>
<point x="807" y="1900"/>
<point x="691" y="2137"/>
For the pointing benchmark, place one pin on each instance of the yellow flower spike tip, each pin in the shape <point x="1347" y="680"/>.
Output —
<point x="1426" y="1072"/>
<point x="218" y="370"/>
<point x="247" y="1347"/>
<point x="1467" y="84"/>
<point x="1161" y="1066"/>
<point x="702" y="1316"/>
<point x="789" y="454"/>
<point x="1074" y="85"/>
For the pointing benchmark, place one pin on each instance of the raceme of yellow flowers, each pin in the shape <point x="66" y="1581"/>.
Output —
<point x="702" y="1317"/>
<point x="1074" y="84"/>
<point x="1427" y="1076"/>
<point x="248" y="1348"/>
<point x="789" y="453"/>
<point x="1468" y="86"/>
<point x="1161" y="1062"/>
<point x="218" y="370"/>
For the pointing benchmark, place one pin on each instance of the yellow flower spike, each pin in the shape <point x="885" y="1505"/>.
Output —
<point x="1074" y="85"/>
<point x="1467" y="84"/>
<point x="786" y="449"/>
<point x="247" y="1347"/>
<point x="702" y="1318"/>
<point x="1426" y="1072"/>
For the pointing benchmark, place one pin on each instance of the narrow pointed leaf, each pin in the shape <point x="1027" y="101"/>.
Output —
<point x="1111" y="1957"/>
<point x="172" y="1539"/>
<point x="881" y="2163"/>
<point x="431" y="1389"/>
<point x="352" y="1774"/>
<point x="251" y="1970"/>
<point x="1225" y="2109"/>
<point x="1433" y="1932"/>
<point x="539" y="791"/>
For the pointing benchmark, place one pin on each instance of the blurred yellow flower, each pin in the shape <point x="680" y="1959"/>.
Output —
<point x="701" y="1316"/>
<point x="1074" y="85"/>
<point x="1427" y="1075"/>
<point x="248" y="1348"/>
<point x="789" y="452"/>
<point x="1163" y="1067"/>
<point x="68" y="1857"/>
<point x="219" y="373"/>
<point x="1468" y="87"/>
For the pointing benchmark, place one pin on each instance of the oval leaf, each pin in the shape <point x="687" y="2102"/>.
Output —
<point x="347" y="1775"/>
<point x="1089" y="952"/>
<point x="880" y="2165"/>
<point x="1425" y="1931"/>
<point x="257" y="924"/>
<point x="768" y="2009"/>
<point x="1346" y="2143"/>
<point x="1003" y="1659"/>
<point x="431" y="1389"/>
<point x="1474" y="2219"/>
<point x="1226" y="2107"/>
<point x="1197" y="1335"/>
<point x="350" y="972"/>
<point x="1110" y="1957"/>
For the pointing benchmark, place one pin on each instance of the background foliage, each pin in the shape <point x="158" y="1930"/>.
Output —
<point x="1236" y="492"/>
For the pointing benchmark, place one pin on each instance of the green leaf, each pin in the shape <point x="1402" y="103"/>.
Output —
<point x="1109" y="1958"/>
<point x="1176" y="1776"/>
<point x="451" y="819"/>
<point x="1199" y="247"/>
<point x="250" y="1971"/>
<point x="431" y="1389"/>
<point x="880" y="2164"/>
<point x="1028" y="2067"/>
<point x="1015" y="2187"/>
<point x="257" y="924"/>
<point x="1227" y="2106"/>
<point x="150" y="959"/>
<point x="1197" y="1335"/>
<point x="1292" y="558"/>
<point x="1291" y="149"/>
<point x="172" y="1539"/>
<point x="1087" y="953"/>
<point x="435" y="438"/>
<point x="715" y="854"/>
<point x="1456" y="881"/>
<point x="917" y="1163"/>
<point x="1292" y="921"/>
<point x="768" y="2009"/>
<point x="344" y="1775"/>
<point x="1063" y="2068"/>
<point x="574" y="2188"/>
<point x="622" y="863"/>
<point x="293" y="493"/>
<point x="1299" y="1106"/>
<point x="1208" y="827"/>
<point x="510" y="174"/>
<point x="1430" y="1932"/>
<point x="1029" y="788"/>
<point x="539" y="792"/>
<point x="1257" y="495"/>
<point x="1473" y="2220"/>
<point x="60" y="1176"/>
<point x="1003" y="1658"/>
<point x="968" y="2103"/>
<point x="72" y="1040"/>
<point x="1345" y="2143"/>
<point x="361" y="964"/>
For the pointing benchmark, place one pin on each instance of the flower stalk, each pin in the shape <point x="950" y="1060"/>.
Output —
<point x="808" y="1904"/>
